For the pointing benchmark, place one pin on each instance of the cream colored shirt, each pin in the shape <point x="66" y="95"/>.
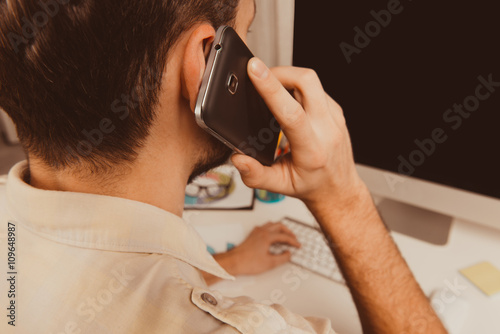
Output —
<point x="86" y="263"/>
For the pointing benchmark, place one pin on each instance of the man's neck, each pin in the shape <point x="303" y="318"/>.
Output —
<point x="149" y="180"/>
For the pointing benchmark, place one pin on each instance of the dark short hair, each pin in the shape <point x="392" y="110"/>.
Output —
<point x="81" y="78"/>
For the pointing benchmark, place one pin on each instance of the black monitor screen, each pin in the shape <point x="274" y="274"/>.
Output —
<point x="419" y="83"/>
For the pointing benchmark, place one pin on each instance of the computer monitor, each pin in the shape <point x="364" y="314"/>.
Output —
<point x="419" y="83"/>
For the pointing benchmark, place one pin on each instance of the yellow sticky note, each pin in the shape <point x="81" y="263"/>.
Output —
<point x="485" y="276"/>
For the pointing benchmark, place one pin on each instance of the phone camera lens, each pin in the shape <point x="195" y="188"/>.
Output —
<point x="218" y="47"/>
<point x="232" y="84"/>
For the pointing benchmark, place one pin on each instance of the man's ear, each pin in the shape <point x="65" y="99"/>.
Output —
<point x="194" y="61"/>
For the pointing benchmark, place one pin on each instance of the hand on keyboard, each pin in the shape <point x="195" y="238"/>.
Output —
<point x="315" y="254"/>
<point x="252" y="256"/>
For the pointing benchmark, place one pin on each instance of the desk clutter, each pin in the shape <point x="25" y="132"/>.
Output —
<point x="219" y="189"/>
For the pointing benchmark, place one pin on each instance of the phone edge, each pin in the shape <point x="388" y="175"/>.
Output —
<point x="207" y="78"/>
<point x="205" y="85"/>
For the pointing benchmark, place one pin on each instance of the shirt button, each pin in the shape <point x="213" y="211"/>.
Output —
<point x="208" y="298"/>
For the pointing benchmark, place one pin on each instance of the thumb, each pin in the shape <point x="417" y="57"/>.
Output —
<point x="250" y="169"/>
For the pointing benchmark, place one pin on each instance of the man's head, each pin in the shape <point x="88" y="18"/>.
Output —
<point x="91" y="84"/>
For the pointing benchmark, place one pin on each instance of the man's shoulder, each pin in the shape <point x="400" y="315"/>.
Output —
<point x="146" y="293"/>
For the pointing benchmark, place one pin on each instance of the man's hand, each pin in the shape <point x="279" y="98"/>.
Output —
<point x="252" y="256"/>
<point x="321" y="162"/>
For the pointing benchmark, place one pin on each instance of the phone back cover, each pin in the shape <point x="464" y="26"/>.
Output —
<point x="242" y="119"/>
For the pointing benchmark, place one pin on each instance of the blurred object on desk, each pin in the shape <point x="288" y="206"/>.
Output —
<point x="219" y="189"/>
<point x="268" y="197"/>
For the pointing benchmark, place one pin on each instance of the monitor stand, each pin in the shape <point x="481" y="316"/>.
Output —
<point x="415" y="222"/>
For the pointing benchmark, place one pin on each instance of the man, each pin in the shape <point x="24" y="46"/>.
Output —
<point x="102" y="94"/>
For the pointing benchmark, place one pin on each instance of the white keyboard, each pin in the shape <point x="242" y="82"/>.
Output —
<point x="314" y="255"/>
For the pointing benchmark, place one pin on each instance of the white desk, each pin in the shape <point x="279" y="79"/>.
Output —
<point x="314" y="295"/>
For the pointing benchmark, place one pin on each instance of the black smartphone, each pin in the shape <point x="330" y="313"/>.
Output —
<point x="229" y="107"/>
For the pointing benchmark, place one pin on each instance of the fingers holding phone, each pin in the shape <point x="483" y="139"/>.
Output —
<point x="321" y="161"/>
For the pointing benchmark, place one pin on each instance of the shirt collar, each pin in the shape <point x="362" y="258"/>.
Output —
<point x="106" y="223"/>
